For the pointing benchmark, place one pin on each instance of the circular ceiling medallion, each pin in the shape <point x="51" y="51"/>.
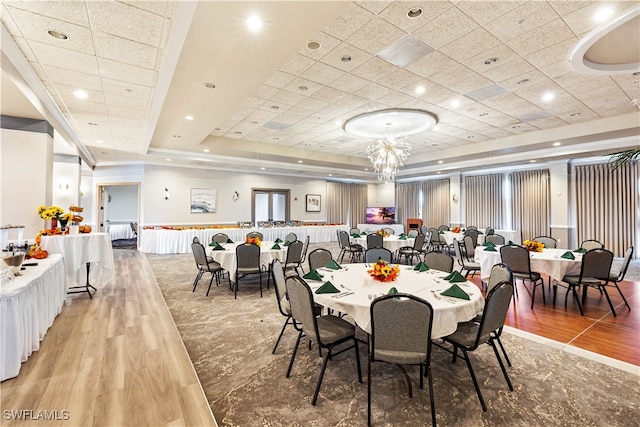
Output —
<point x="613" y="48"/>
<point x="390" y="123"/>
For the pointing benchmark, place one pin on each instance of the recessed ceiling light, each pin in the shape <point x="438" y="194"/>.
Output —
<point x="345" y="58"/>
<point x="455" y="103"/>
<point x="366" y="169"/>
<point x="420" y="90"/>
<point x="532" y="161"/>
<point x="188" y="117"/>
<point x="206" y="150"/>
<point x="637" y="73"/>
<point x="470" y="137"/>
<point x="210" y="85"/>
<point x="483" y="114"/>
<point x="313" y="45"/>
<point x="440" y="162"/>
<point x="99" y="141"/>
<point x="168" y="160"/>
<point x="548" y="96"/>
<point x="92" y="124"/>
<point x="434" y="144"/>
<point x="58" y="35"/>
<point x="257" y="156"/>
<point x="262" y="169"/>
<point x="303" y="88"/>
<point x="491" y="61"/>
<point x="299" y="161"/>
<point x="575" y="114"/>
<point x="253" y="122"/>
<point x="177" y="136"/>
<point x="439" y="172"/>
<point x="79" y="93"/>
<point x="238" y="132"/>
<point x="338" y="123"/>
<point x="515" y="127"/>
<point x="275" y="107"/>
<point x="523" y="81"/>
<point x="254" y="23"/>
<point x="414" y="12"/>
<point x="330" y="174"/>
<point x="556" y="144"/>
<point x="602" y="14"/>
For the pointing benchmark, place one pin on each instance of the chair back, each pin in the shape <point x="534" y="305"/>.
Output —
<point x="290" y="237"/>
<point x="195" y="240"/>
<point x="499" y="273"/>
<point x="280" y="287"/>
<point x="443" y="228"/>
<point x="473" y="233"/>
<point x="489" y="231"/>
<point x="253" y="234"/>
<point x="423" y="229"/>
<point x="412" y="233"/>
<point x="495" y="311"/>
<point x="134" y="228"/>
<point x="302" y="310"/>
<point x="469" y="247"/>
<point x="596" y="263"/>
<point x="418" y="242"/>
<point x="294" y="253"/>
<point x="305" y="248"/>
<point x="199" y="254"/>
<point x="220" y="238"/>
<point x="374" y="241"/>
<point x="319" y="258"/>
<point x="343" y="239"/>
<point x="496" y="239"/>
<point x="434" y="236"/>
<point x="354" y="230"/>
<point x="456" y="248"/>
<point x="625" y="264"/>
<point x="516" y="258"/>
<point x="547" y="241"/>
<point x="591" y="244"/>
<point x="248" y="257"/>
<point x="374" y="254"/>
<point x="401" y="327"/>
<point x="388" y="230"/>
<point x="439" y="261"/>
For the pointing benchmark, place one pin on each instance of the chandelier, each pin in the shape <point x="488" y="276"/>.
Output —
<point x="389" y="126"/>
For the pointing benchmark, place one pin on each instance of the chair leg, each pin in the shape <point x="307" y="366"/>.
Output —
<point x="210" y="283"/>
<point x="369" y="391"/>
<point x="293" y="355"/>
<point x="503" y="351"/>
<point x="504" y="371"/>
<point x="195" y="282"/>
<point x="623" y="298"/>
<point x="606" y="294"/>
<point x="282" y="333"/>
<point x="473" y="378"/>
<point x="432" y="399"/>
<point x="355" y="343"/>
<point x="575" y="295"/>
<point x="319" y="383"/>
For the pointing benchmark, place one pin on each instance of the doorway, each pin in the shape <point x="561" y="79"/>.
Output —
<point x="269" y="205"/>
<point x="118" y="208"/>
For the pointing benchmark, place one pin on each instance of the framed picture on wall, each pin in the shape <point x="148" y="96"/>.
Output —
<point x="203" y="200"/>
<point x="313" y="203"/>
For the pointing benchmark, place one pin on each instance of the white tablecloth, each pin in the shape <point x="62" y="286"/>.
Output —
<point x="163" y="241"/>
<point x="227" y="258"/>
<point x="546" y="262"/>
<point x="120" y="231"/>
<point x="397" y="228"/>
<point x="28" y="306"/>
<point x="393" y="243"/>
<point x="447" y="312"/>
<point x="80" y="249"/>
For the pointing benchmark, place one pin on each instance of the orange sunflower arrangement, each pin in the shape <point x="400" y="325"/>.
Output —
<point x="253" y="241"/>
<point x="456" y="230"/>
<point x="382" y="233"/>
<point x="382" y="271"/>
<point x="533" y="246"/>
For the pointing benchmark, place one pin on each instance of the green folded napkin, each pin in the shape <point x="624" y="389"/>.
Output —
<point x="287" y="243"/>
<point x="510" y="243"/>
<point x="580" y="250"/>
<point x="403" y="237"/>
<point x="480" y="232"/>
<point x="489" y="244"/>
<point x="392" y="291"/>
<point x="455" y="291"/>
<point x="333" y="265"/>
<point x="278" y="240"/>
<point x="276" y="246"/>
<point x="327" y="288"/>
<point x="355" y="235"/>
<point x="440" y="232"/>
<point x="456" y="277"/>
<point x="490" y="249"/>
<point x="217" y="247"/>
<point x="448" y="276"/>
<point x="313" y="275"/>
<point x="229" y="240"/>
<point x="567" y="255"/>
<point x="421" y="266"/>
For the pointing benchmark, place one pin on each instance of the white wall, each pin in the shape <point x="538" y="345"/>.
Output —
<point x="382" y="195"/>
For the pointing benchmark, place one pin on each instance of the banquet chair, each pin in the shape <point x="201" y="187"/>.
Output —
<point x="547" y="241"/>
<point x="412" y="233"/>
<point x="468" y="266"/>
<point x="473" y="233"/>
<point x="355" y="230"/>
<point x="374" y="254"/>
<point x="412" y="251"/>
<point x="204" y="265"/>
<point x="439" y="261"/>
<point x="327" y="331"/>
<point x="424" y="230"/>
<point x="134" y="228"/>
<point x="388" y="230"/>
<point x="435" y="242"/>
<point x="220" y="238"/>
<point x="469" y="335"/>
<point x="305" y="248"/>
<point x="469" y="248"/>
<point x="247" y="262"/>
<point x="294" y="257"/>
<point x="443" y="228"/>
<point x="290" y="237"/>
<point x="496" y="239"/>
<point x="617" y="278"/>
<point x="374" y="241"/>
<point x="591" y="244"/>
<point x="401" y="334"/>
<point x="355" y="250"/>
<point x="281" y="296"/>
<point x="319" y="258"/>
<point x="253" y="234"/>
<point x="517" y="259"/>
<point x="209" y="258"/>
<point x="594" y="271"/>
<point x="489" y="231"/>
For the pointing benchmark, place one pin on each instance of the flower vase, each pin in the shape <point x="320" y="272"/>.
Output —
<point x="54" y="224"/>
<point x="63" y="225"/>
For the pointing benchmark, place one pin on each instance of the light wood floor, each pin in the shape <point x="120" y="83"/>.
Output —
<point x="116" y="360"/>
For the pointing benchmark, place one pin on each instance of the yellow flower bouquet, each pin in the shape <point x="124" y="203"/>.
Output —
<point x="253" y="241"/>
<point x="51" y="212"/>
<point x="382" y="271"/>
<point x="533" y="246"/>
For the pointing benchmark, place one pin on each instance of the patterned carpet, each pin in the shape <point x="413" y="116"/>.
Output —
<point x="230" y="342"/>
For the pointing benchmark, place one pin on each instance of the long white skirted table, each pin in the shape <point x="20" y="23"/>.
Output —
<point x="120" y="231"/>
<point x="393" y="243"/>
<point x="169" y="241"/>
<point x="28" y="306"/>
<point x="83" y="253"/>
<point x="397" y="228"/>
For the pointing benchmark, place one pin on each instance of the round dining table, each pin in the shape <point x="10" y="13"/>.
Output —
<point x="358" y="290"/>
<point x="227" y="257"/>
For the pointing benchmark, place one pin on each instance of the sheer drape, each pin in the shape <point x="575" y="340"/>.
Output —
<point x="436" y="208"/>
<point x="407" y="201"/>
<point x="346" y="203"/>
<point x="483" y="200"/>
<point x="530" y="202"/>
<point x="607" y="205"/>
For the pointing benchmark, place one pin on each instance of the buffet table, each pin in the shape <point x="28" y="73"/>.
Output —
<point x="120" y="231"/>
<point x="83" y="253"/>
<point x="169" y="241"/>
<point x="28" y="306"/>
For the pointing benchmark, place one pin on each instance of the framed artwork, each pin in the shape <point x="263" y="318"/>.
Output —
<point x="313" y="203"/>
<point x="203" y="200"/>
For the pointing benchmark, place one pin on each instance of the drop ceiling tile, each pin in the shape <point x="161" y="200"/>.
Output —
<point x="375" y="7"/>
<point x="327" y="43"/>
<point x="84" y="107"/>
<point x="582" y="20"/>
<point x="474" y="82"/>
<point x="266" y="91"/>
<point x="298" y="84"/>
<point x="286" y="97"/>
<point x="348" y="21"/>
<point x="565" y="7"/>
<point x="311" y="104"/>
<point x="454" y="74"/>
<point x="395" y="99"/>
<point x="125" y="72"/>
<point x="352" y="101"/>
<point x="397" y="13"/>
<point x="439" y="31"/>
<point x="521" y="20"/>
<point x="548" y="123"/>
<point x="552" y="54"/>
<point x="113" y="100"/>
<point x="373" y="91"/>
<point x="375" y="35"/>
<point x="558" y="69"/>
<point x="125" y="51"/>
<point x="296" y="65"/>
<point x="547" y="35"/>
<point x="73" y="60"/>
<point x="329" y="94"/>
<point x="467" y="46"/>
<point x="482" y="64"/>
<point x="126" y="21"/>
<point x="127" y="89"/>
<point x="279" y="79"/>
<point x="523" y="80"/>
<point x="431" y="64"/>
<point x="68" y="11"/>
<point x="337" y="57"/>
<point x="399" y="78"/>
<point x="374" y="69"/>
<point x="629" y="84"/>
<point x="24" y="47"/>
<point x="322" y="73"/>
<point x="486" y="11"/>
<point x="349" y="83"/>
<point x="274" y="107"/>
<point x="116" y="112"/>
<point x="509" y="70"/>
<point x="334" y="110"/>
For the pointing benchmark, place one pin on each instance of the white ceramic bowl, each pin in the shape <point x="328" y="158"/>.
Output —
<point x="13" y="259"/>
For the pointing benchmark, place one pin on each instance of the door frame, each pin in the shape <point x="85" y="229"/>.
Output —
<point x="285" y="191"/>
<point x="100" y="202"/>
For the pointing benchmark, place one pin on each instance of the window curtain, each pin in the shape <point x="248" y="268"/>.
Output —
<point x="436" y="207"/>
<point x="530" y="202"/>
<point x="607" y="205"/>
<point x="483" y="201"/>
<point x="407" y="201"/>
<point x="346" y="203"/>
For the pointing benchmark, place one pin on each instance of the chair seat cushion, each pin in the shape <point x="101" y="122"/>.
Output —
<point x="400" y="357"/>
<point x="472" y="265"/>
<point x="575" y="280"/>
<point x="534" y="276"/>
<point x="466" y="334"/>
<point x="249" y="270"/>
<point x="356" y="247"/>
<point x="333" y="329"/>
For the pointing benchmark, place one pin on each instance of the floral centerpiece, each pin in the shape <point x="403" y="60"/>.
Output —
<point x="382" y="233"/>
<point x="382" y="271"/>
<point x="253" y="241"/>
<point x="456" y="230"/>
<point x="533" y="246"/>
<point x="55" y="214"/>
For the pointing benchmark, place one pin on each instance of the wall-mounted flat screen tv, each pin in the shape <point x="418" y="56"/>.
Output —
<point x="384" y="215"/>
